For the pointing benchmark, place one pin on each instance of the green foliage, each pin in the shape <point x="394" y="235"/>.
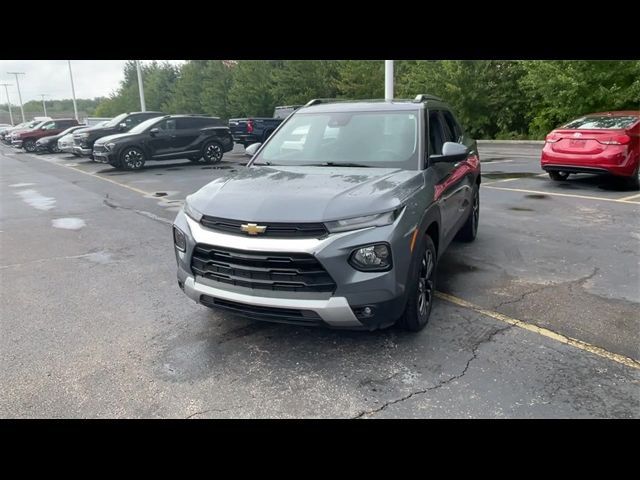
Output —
<point x="564" y="89"/>
<point x="491" y="98"/>
<point x="87" y="105"/>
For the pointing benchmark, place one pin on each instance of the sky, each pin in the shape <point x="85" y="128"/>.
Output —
<point x="91" y="78"/>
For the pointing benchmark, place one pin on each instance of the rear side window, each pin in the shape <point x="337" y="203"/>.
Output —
<point x="435" y="133"/>
<point x="602" y="122"/>
<point x="187" y="123"/>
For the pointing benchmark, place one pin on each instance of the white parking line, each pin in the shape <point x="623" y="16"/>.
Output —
<point x="588" y="197"/>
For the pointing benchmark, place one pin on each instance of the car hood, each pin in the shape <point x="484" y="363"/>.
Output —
<point x="111" y="138"/>
<point x="305" y="194"/>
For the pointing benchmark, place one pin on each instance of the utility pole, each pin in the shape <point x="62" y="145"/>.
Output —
<point x="143" y="107"/>
<point x="73" y="92"/>
<point x="6" y="90"/>
<point x="19" y="94"/>
<point x="388" y="79"/>
<point x="44" y="105"/>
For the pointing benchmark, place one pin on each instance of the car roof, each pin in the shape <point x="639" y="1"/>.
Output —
<point x="620" y="113"/>
<point x="363" y="106"/>
<point x="190" y="115"/>
<point x="375" y="105"/>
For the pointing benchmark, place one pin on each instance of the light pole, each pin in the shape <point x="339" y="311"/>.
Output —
<point x="6" y="90"/>
<point x="19" y="94"/>
<point x="388" y="79"/>
<point x="44" y="105"/>
<point x="140" y="87"/>
<point x="73" y="92"/>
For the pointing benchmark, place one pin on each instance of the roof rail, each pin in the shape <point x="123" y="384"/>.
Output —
<point x="316" y="101"/>
<point x="425" y="96"/>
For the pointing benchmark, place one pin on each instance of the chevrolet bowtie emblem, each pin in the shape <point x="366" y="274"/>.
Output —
<point x="252" y="228"/>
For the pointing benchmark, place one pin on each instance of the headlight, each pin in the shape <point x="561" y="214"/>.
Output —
<point x="179" y="239"/>
<point x="109" y="146"/>
<point x="355" y="223"/>
<point x="82" y="135"/>
<point x="375" y="257"/>
<point x="190" y="211"/>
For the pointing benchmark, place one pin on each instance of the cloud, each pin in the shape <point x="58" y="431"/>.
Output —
<point x="92" y="78"/>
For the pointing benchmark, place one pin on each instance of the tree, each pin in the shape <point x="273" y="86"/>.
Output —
<point x="251" y="93"/>
<point x="298" y="81"/>
<point x="361" y="79"/>
<point x="564" y="89"/>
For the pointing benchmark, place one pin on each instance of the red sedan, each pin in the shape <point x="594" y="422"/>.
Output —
<point x="606" y="143"/>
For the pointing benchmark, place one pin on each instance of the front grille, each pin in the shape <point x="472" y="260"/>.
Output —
<point x="99" y="148"/>
<point x="288" y="272"/>
<point x="278" y="230"/>
<point x="289" y="315"/>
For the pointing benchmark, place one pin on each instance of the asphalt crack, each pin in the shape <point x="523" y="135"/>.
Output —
<point x="150" y="215"/>
<point x="474" y="355"/>
<point x="217" y="410"/>
<point x="570" y="284"/>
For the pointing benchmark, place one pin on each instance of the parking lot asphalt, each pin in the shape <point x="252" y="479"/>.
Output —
<point x="537" y="318"/>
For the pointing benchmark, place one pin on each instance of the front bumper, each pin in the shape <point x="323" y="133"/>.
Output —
<point x="16" y="143"/>
<point x="334" y="311"/>
<point x="384" y="292"/>
<point x="247" y="139"/>
<point x="104" y="157"/>
<point x="85" y="152"/>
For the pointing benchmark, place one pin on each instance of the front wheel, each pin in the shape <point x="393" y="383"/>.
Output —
<point x="29" y="146"/>
<point x="54" y="148"/>
<point x="422" y="285"/>
<point x="558" y="176"/>
<point x="132" y="158"/>
<point x="212" y="152"/>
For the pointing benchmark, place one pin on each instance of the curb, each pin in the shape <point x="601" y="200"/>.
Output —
<point x="515" y="142"/>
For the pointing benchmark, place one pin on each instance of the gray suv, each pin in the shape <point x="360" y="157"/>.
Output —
<point x="339" y="218"/>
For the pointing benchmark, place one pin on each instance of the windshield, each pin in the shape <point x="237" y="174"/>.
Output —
<point x="371" y="139"/>
<point x="115" y="121"/>
<point x="141" y="127"/>
<point x="602" y="122"/>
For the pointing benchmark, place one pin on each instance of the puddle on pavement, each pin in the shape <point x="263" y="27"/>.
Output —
<point x="160" y="194"/>
<point x="159" y="173"/>
<point x="501" y="175"/>
<point x="223" y="167"/>
<point x="536" y="196"/>
<point x="521" y="209"/>
<point x="175" y="168"/>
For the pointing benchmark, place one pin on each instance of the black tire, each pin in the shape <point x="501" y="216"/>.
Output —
<point x="469" y="230"/>
<point x="132" y="158"/>
<point x="212" y="152"/>
<point x="634" y="180"/>
<point x="29" y="145"/>
<point x="54" y="149"/>
<point x="422" y="286"/>
<point x="558" y="176"/>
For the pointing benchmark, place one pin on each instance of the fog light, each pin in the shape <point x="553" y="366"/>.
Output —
<point x="179" y="239"/>
<point x="364" y="312"/>
<point x="371" y="258"/>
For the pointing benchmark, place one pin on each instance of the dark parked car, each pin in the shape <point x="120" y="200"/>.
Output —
<point x="84" y="139"/>
<point x="50" y="144"/>
<point x="199" y="138"/>
<point x="28" y="138"/>
<point x="246" y="131"/>
<point x="343" y="227"/>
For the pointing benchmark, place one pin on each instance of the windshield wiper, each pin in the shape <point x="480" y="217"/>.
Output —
<point x="336" y="164"/>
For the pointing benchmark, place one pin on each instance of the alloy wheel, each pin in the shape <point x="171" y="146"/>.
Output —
<point x="213" y="153"/>
<point x="133" y="159"/>
<point x="425" y="284"/>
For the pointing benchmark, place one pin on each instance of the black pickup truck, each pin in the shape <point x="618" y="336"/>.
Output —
<point x="246" y="131"/>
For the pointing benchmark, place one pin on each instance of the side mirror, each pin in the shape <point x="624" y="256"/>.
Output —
<point x="122" y="126"/>
<point x="154" y="131"/>
<point x="451" y="152"/>
<point x="251" y="150"/>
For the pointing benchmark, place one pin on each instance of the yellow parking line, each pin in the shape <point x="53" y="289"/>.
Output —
<point x="589" y="197"/>
<point x="137" y="190"/>
<point x="601" y="352"/>
<point x="637" y="195"/>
